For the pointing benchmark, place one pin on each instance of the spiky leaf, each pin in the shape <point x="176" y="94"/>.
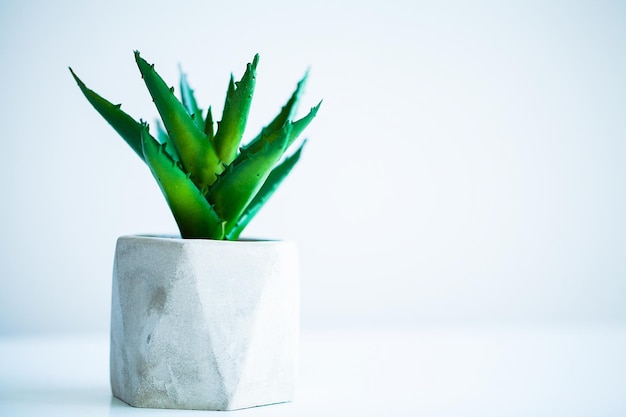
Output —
<point x="286" y="113"/>
<point x="196" y="153"/>
<point x="275" y="178"/>
<point x="269" y="135"/>
<point x="208" y="125"/>
<point x="241" y="180"/>
<point x="165" y="140"/>
<point x="189" y="100"/>
<point x="235" y="116"/>
<point x="193" y="214"/>
<point x="301" y="124"/>
<point x="127" y="127"/>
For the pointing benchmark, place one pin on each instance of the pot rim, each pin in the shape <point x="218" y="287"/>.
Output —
<point x="179" y="239"/>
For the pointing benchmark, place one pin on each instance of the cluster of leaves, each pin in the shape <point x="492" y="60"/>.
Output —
<point x="213" y="184"/>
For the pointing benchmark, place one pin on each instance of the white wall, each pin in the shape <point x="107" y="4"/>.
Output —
<point x="467" y="165"/>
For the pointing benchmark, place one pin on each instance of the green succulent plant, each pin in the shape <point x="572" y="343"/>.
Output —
<point x="213" y="184"/>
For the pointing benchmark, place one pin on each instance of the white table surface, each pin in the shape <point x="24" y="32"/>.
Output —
<point x="430" y="371"/>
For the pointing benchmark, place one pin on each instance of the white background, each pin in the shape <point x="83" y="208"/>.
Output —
<point x="467" y="164"/>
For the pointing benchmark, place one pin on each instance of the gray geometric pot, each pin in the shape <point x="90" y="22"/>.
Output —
<point x="204" y="324"/>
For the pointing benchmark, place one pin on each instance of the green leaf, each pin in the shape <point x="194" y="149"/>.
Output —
<point x="301" y="124"/>
<point x="268" y="136"/>
<point x="286" y="113"/>
<point x="235" y="116"/>
<point x="165" y="140"/>
<point x="193" y="214"/>
<point x="189" y="100"/>
<point x="196" y="153"/>
<point x="241" y="180"/>
<point x="208" y="125"/>
<point x="275" y="178"/>
<point x="127" y="127"/>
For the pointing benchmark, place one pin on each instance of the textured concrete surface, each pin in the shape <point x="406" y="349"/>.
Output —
<point x="200" y="324"/>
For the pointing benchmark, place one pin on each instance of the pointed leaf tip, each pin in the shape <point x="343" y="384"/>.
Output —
<point x="78" y="80"/>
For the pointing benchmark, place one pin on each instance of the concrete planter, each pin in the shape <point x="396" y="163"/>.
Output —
<point x="202" y="324"/>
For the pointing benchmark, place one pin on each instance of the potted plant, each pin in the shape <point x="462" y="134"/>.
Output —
<point x="206" y="320"/>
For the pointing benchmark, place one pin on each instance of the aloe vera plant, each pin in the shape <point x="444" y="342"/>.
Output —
<point x="213" y="184"/>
